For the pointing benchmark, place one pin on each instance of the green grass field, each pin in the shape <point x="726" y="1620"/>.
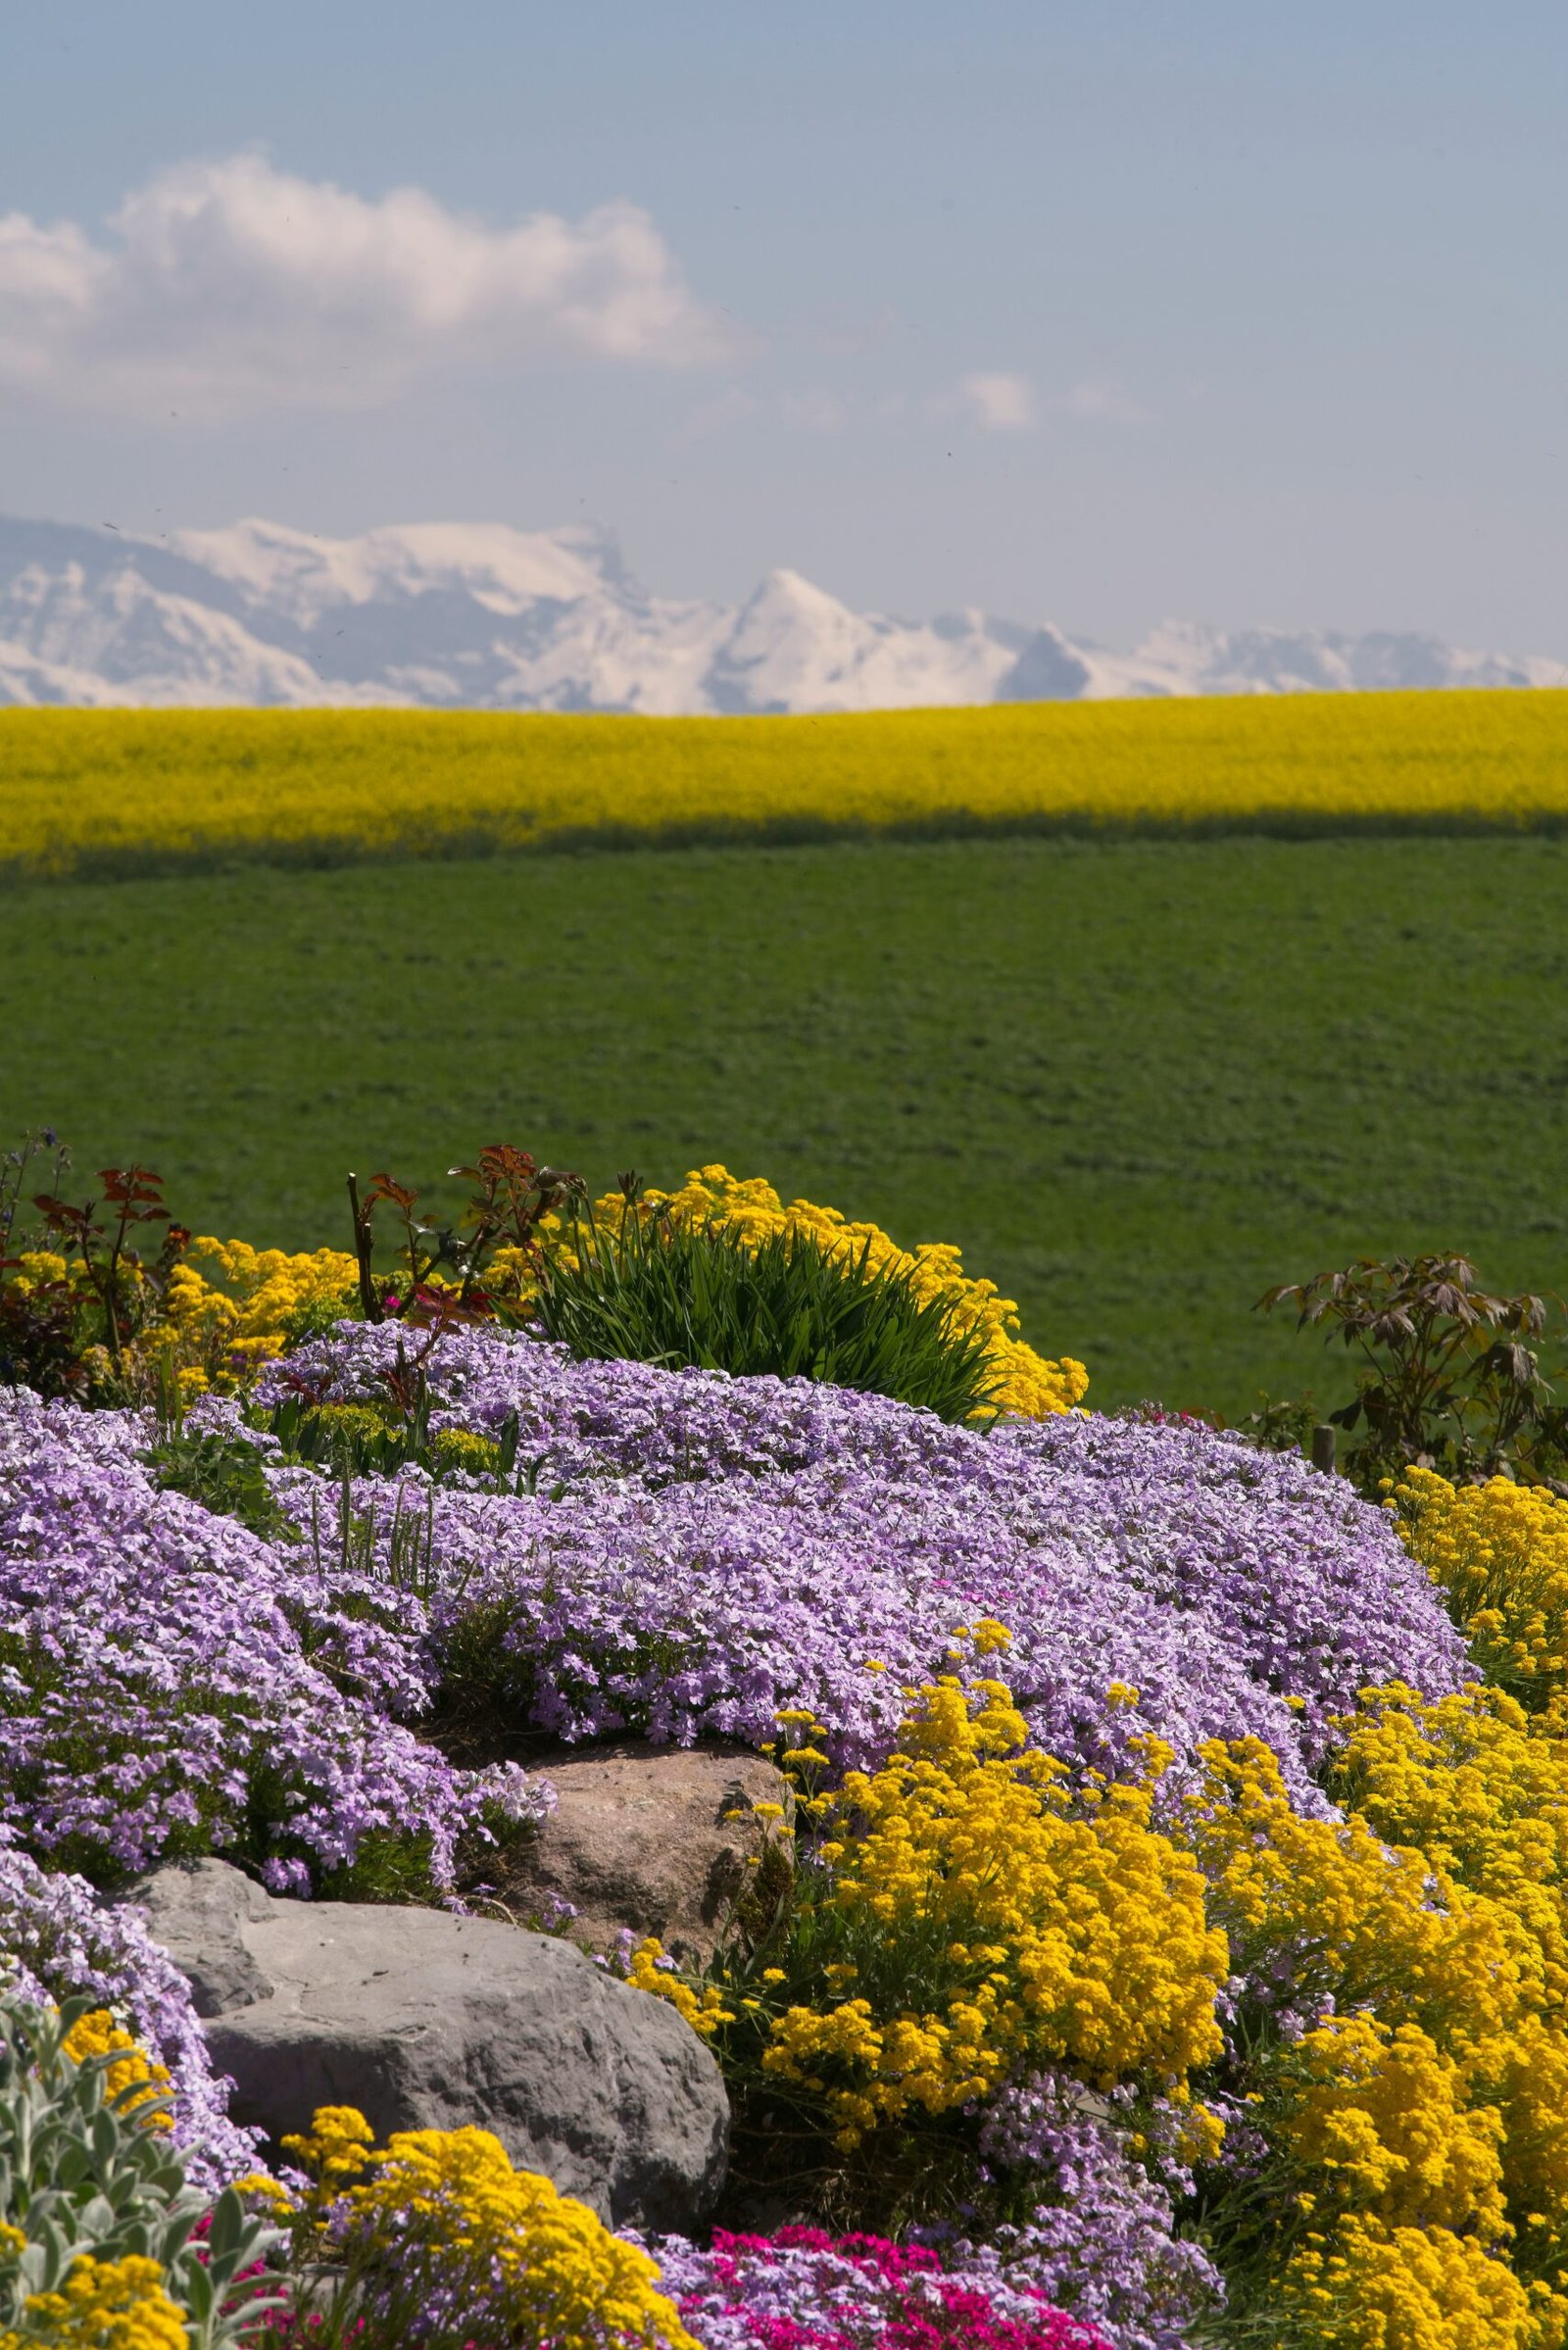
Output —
<point x="1137" y="1081"/>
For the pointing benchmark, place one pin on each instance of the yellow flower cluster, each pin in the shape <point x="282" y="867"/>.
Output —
<point x="89" y="787"/>
<point x="1443" y="2080"/>
<point x="463" y="1448"/>
<point x="104" y="2304"/>
<point x="214" y="1335"/>
<point x="1368" y="1923"/>
<point x="704" y="2010"/>
<point x="1039" y="1927"/>
<point x="1386" y="2114"/>
<point x="35" y="1267"/>
<point x="221" y="1334"/>
<point x="98" y="2035"/>
<point x="531" y="2265"/>
<point x="1500" y="1550"/>
<point x="1380" y="2288"/>
<point x="1480" y="1787"/>
<point x="1027" y="1384"/>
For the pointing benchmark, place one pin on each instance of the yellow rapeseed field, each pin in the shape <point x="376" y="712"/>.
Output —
<point x="105" y="791"/>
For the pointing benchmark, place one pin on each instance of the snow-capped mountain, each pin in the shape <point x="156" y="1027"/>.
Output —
<point x="482" y="616"/>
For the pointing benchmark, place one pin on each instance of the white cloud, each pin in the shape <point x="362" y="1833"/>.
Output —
<point x="230" y="286"/>
<point x="1102" y="401"/>
<point x="999" y="403"/>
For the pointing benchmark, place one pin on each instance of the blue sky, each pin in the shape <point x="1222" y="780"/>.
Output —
<point x="1096" y="311"/>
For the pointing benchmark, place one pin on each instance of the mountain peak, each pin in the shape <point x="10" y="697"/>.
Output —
<point x="484" y="615"/>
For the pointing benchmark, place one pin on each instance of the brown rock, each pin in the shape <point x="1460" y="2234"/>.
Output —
<point x="640" y="1838"/>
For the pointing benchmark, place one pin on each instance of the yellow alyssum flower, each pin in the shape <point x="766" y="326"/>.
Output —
<point x="1038" y="1932"/>
<point x="1500" y="1552"/>
<point x="221" y="1334"/>
<point x="336" y="2146"/>
<point x="1387" y="2115"/>
<point x="104" y="2304"/>
<point x="35" y="1267"/>
<point x="1368" y="1922"/>
<point x="1480" y="1787"/>
<point x="1198" y="2133"/>
<point x="533" y="2265"/>
<point x="704" y="2010"/>
<point x="98" y="2035"/>
<point x="463" y="1448"/>
<point x="1459" y="1937"/>
<point x="1027" y="1384"/>
<point x="1380" y="2288"/>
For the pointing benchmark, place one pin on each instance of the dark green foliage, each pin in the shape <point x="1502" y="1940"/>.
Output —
<point x="39" y="1343"/>
<point x="41" y="1338"/>
<point x="1446" y="1377"/>
<point x="226" y="1472"/>
<point x="676" y="1293"/>
<point x="1283" y="1423"/>
<point x="354" y="1439"/>
<point x="377" y="1439"/>
<point x="1135" y="1080"/>
<point x="223" y="1473"/>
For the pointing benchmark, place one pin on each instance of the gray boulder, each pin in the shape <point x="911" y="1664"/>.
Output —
<point x="426" y="2021"/>
<point x="654" y="1837"/>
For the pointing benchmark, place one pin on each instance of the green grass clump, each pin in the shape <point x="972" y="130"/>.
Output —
<point x="681" y="1295"/>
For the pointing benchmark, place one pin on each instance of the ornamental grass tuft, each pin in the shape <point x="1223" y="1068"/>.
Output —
<point x="658" y="1291"/>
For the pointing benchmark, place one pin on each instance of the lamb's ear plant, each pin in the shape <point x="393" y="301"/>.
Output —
<point x="90" y="2178"/>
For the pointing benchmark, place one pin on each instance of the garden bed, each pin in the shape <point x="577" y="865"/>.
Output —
<point x="1162" y="1939"/>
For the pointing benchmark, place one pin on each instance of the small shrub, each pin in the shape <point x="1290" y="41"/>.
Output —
<point x="1027" y="1384"/>
<point x="483" y="1266"/>
<point x="1446" y="1375"/>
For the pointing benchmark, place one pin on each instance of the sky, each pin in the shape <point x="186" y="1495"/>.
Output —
<point x="1094" y="310"/>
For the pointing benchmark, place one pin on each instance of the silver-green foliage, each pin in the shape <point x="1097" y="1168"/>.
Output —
<point x="87" y="2171"/>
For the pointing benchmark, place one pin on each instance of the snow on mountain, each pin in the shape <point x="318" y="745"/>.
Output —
<point x="1181" y="658"/>
<point x="480" y="615"/>
<point x="791" y="647"/>
<point x="289" y="571"/>
<point x="26" y="681"/>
